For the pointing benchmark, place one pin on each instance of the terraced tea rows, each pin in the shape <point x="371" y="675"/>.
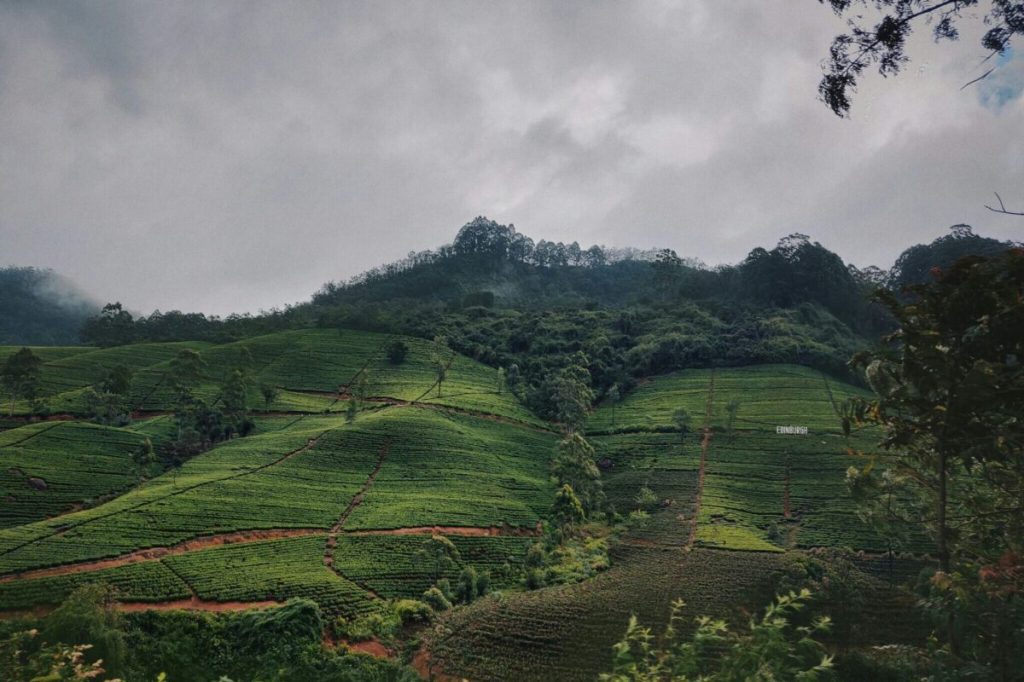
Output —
<point x="389" y="565"/>
<point x="312" y="369"/>
<point x="47" y="468"/>
<point x="143" y="582"/>
<point x="273" y="570"/>
<point x="566" y="633"/>
<point x="768" y="396"/>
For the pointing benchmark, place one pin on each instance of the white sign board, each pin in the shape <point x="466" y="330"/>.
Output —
<point x="791" y="430"/>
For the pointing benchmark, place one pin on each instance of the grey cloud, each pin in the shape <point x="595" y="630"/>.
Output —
<point x="234" y="156"/>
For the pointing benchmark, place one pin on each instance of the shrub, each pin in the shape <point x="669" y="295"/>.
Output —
<point x="413" y="611"/>
<point x="435" y="598"/>
<point x="397" y="351"/>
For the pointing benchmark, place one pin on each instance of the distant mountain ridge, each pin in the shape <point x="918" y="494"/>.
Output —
<point x="493" y="266"/>
<point x="40" y="307"/>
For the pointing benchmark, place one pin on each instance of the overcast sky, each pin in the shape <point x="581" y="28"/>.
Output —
<point x="220" y="156"/>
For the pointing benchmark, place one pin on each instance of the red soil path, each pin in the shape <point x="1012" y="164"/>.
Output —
<point x="196" y="604"/>
<point x="155" y="553"/>
<point x="192" y="604"/>
<point x="371" y="647"/>
<point x="424" y="667"/>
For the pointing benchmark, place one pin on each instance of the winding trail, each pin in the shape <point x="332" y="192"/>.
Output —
<point x="191" y="604"/>
<point x="357" y="499"/>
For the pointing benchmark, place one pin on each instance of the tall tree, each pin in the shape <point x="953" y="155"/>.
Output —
<point x="114" y="326"/>
<point x="20" y="375"/>
<point x="571" y="393"/>
<point x="441" y="357"/>
<point x="950" y="395"/>
<point x="732" y="408"/>
<point x="109" y="400"/>
<point x="683" y="422"/>
<point x="574" y="466"/>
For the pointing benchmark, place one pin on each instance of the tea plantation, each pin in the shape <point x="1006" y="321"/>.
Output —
<point x="340" y="507"/>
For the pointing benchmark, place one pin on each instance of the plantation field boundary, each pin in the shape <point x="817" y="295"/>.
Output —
<point x="418" y="403"/>
<point x="193" y="603"/>
<point x="288" y="455"/>
<point x="32" y="435"/>
<point x="357" y="499"/>
<point x="157" y="553"/>
<point x="259" y="535"/>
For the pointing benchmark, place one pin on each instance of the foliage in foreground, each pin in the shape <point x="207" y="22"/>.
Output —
<point x="86" y="639"/>
<point x="772" y="649"/>
<point x="950" y="393"/>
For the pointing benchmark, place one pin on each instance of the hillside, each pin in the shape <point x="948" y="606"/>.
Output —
<point x="393" y="460"/>
<point x="316" y="504"/>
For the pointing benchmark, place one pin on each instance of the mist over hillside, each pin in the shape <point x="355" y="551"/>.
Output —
<point x="41" y="307"/>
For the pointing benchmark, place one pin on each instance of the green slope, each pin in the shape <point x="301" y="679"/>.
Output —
<point x="47" y="468"/>
<point x="434" y="469"/>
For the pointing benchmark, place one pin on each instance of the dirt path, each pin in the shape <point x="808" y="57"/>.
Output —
<point x="192" y="604"/>
<point x="424" y="667"/>
<point x="461" y="531"/>
<point x="195" y="604"/>
<point x="705" y="445"/>
<point x="246" y="536"/>
<point x="371" y="647"/>
<point x="156" y="553"/>
<point x="357" y="499"/>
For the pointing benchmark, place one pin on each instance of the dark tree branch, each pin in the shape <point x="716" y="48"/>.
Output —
<point x="1002" y="207"/>
<point x="979" y="78"/>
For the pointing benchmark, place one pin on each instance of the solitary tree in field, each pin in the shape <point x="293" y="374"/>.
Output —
<point x="441" y="358"/>
<point x="501" y="379"/>
<point x="614" y="396"/>
<point x="732" y="408"/>
<point x="235" y="399"/>
<point x="20" y="375"/>
<point x="358" y="394"/>
<point x="396" y="351"/>
<point x="269" y="393"/>
<point x="187" y="370"/>
<point x="512" y="377"/>
<point x="682" y="419"/>
<point x="108" y="400"/>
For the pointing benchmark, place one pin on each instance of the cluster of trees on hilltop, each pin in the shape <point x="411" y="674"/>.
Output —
<point x="115" y="326"/>
<point x="485" y="243"/>
<point x="632" y="315"/>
